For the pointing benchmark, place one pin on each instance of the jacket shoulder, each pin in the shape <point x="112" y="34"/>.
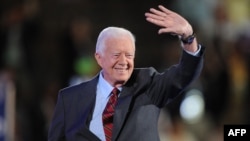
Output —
<point x="142" y="75"/>
<point x="81" y="87"/>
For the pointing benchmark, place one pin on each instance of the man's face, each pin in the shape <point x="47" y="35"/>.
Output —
<point x="117" y="60"/>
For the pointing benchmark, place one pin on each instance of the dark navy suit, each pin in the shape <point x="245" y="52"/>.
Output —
<point x="138" y="108"/>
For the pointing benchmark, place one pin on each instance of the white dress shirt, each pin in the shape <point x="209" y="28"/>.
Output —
<point x="102" y="96"/>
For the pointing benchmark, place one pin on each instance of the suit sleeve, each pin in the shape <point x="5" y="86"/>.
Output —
<point x="167" y="85"/>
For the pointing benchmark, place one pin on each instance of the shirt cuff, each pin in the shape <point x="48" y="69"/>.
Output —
<point x="194" y="53"/>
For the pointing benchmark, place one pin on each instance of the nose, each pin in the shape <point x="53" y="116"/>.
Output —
<point x="122" y="59"/>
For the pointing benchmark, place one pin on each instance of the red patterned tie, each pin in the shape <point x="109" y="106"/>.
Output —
<point x="107" y="116"/>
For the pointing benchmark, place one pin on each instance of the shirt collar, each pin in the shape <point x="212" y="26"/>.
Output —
<point x="105" y="87"/>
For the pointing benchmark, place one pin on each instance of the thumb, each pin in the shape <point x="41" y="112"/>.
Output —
<point x="165" y="30"/>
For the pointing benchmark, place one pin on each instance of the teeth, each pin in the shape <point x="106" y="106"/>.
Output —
<point x="121" y="69"/>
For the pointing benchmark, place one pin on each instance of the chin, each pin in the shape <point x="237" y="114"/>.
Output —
<point x="122" y="80"/>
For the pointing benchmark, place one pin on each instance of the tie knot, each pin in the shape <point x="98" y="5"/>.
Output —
<point x="115" y="91"/>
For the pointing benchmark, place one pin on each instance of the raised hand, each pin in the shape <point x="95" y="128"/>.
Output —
<point x="173" y="23"/>
<point x="169" y="21"/>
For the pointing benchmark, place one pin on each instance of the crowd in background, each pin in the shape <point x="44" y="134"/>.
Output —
<point x="47" y="45"/>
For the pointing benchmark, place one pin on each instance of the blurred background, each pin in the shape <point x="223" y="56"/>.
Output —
<point x="46" y="45"/>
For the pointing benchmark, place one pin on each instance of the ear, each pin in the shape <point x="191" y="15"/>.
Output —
<point x="98" y="59"/>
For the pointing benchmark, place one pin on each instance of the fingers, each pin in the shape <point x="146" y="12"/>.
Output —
<point x="157" y="12"/>
<point x="162" y="14"/>
<point x="165" y="10"/>
<point x="156" y="21"/>
<point x="159" y="18"/>
<point x="153" y="16"/>
<point x="169" y="21"/>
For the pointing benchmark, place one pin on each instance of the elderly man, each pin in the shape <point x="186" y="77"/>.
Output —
<point x="122" y="103"/>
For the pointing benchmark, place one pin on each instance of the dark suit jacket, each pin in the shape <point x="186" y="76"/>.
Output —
<point x="137" y="111"/>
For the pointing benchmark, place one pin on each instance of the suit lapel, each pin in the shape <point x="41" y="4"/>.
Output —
<point x="122" y="109"/>
<point x="88" y="98"/>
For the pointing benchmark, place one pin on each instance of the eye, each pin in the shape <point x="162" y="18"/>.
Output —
<point x="130" y="56"/>
<point x="116" y="55"/>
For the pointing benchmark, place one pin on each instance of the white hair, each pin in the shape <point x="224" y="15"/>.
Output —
<point x="111" y="32"/>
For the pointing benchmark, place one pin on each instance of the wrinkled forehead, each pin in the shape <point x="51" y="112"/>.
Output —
<point x="122" y="42"/>
<point x="117" y="44"/>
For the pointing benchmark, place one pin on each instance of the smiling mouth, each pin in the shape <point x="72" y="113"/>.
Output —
<point x="121" y="69"/>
